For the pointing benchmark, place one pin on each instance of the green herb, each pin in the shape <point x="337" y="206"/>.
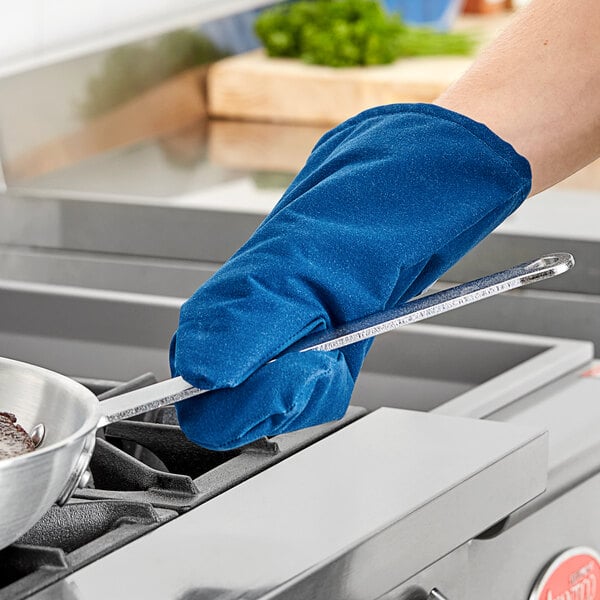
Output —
<point x="129" y="70"/>
<point x="344" y="33"/>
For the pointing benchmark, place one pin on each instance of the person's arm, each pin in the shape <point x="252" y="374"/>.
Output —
<point x="537" y="86"/>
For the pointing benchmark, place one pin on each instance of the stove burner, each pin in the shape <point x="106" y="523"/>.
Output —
<point x="144" y="472"/>
<point x="63" y="539"/>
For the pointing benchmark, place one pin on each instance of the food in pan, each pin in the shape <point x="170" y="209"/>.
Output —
<point x="14" y="440"/>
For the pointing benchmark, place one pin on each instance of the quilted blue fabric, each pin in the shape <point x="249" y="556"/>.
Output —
<point x="386" y="203"/>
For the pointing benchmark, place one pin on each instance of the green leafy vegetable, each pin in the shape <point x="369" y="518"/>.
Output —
<point x="344" y="33"/>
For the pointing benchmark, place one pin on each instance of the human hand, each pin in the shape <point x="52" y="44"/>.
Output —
<point x="386" y="203"/>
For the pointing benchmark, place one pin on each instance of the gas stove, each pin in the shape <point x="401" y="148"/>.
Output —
<point x="467" y="466"/>
<point x="361" y="508"/>
<point x="432" y="485"/>
<point x="143" y="473"/>
<point x="437" y="483"/>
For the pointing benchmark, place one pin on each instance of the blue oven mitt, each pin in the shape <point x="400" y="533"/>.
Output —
<point x="386" y="202"/>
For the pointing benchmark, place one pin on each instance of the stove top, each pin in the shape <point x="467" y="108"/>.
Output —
<point x="387" y="504"/>
<point x="353" y="509"/>
<point x="143" y="473"/>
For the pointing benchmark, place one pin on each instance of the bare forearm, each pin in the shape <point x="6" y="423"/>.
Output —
<point x="538" y="87"/>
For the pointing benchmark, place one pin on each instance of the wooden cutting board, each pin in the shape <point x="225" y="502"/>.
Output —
<point x="276" y="147"/>
<point x="255" y="87"/>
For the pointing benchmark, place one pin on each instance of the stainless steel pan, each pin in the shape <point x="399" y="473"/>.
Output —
<point x="71" y="414"/>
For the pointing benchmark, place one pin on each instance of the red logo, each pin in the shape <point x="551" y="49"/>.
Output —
<point x="572" y="575"/>
<point x="592" y="372"/>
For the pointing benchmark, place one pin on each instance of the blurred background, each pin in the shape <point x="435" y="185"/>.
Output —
<point x="163" y="101"/>
<point x="123" y="117"/>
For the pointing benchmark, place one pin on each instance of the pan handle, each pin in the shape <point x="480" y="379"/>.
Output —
<point x="432" y="305"/>
<point x="173" y="390"/>
<point x="145" y="399"/>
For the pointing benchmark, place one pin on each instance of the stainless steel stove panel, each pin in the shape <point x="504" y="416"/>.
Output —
<point x="349" y="517"/>
<point x="507" y="565"/>
<point x="129" y="274"/>
<point x="124" y="228"/>
<point x="449" y="575"/>
<point x="74" y="329"/>
<point x="570" y="410"/>
<point x="505" y="562"/>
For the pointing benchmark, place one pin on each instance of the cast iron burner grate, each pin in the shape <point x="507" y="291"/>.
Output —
<point x="144" y="472"/>
<point x="70" y="537"/>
